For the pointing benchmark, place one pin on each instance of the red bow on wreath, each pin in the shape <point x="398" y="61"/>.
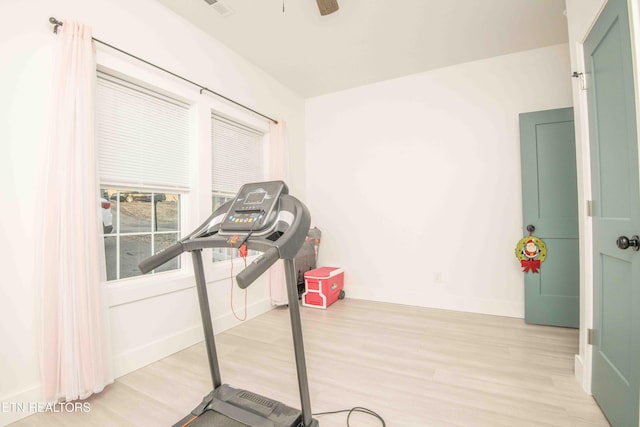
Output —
<point x="531" y="265"/>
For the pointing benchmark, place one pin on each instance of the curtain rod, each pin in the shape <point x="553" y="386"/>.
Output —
<point x="53" y="21"/>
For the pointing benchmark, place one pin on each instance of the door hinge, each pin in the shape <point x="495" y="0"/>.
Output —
<point x="590" y="336"/>
<point x="581" y="79"/>
<point x="589" y="207"/>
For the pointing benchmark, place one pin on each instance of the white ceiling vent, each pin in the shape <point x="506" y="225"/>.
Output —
<point x="220" y="7"/>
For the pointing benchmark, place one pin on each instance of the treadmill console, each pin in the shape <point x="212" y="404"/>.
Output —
<point x="253" y="207"/>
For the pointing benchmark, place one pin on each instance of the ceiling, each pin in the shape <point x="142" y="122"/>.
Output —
<point x="367" y="41"/>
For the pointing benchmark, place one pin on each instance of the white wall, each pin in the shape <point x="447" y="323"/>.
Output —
<point x="420" y="176"/>
<point x="144" y="327"/>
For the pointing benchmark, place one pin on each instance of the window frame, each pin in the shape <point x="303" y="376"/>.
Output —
<point x="262" y="137"/>
<point x="196" y="203"/>
<point x="167" y="94"/>
<point x="130" y="289"/>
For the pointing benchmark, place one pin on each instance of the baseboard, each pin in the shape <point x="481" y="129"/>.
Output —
<point x="144" y="355"/>
<point x="445" y="301"/>
<point x="578" y="370"/>
<point x="20" y="405"/>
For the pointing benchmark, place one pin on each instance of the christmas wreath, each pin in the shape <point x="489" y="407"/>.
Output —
<point x="531" y="251"/>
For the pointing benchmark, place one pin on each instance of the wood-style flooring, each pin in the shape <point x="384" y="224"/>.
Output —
<point x="416" y="367"/>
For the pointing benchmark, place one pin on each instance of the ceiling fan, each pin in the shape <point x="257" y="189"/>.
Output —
<point x="327" y="6"/>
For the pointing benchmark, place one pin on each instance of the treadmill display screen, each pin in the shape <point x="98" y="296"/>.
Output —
<point x="251" y="210"/>
<point x="255" y="198"/>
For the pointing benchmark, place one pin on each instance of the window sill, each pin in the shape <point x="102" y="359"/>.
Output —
<point x="138" y="288"/>
<point x="126" y="291"/>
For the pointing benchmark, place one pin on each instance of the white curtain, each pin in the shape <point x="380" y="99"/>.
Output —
<point x="278" y="171"/>
<point x="74" y="357"/>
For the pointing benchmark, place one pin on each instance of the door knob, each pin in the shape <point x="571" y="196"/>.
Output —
<point x="624" y="242"/>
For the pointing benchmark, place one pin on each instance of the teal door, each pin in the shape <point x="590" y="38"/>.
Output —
<point x="550" y="205"/>
<point x="616" y="215"/>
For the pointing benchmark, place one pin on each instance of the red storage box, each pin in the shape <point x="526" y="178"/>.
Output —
<point x="322" y="287"/>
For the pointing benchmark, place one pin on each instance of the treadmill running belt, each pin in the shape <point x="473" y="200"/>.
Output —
<point x="211" y="418"/>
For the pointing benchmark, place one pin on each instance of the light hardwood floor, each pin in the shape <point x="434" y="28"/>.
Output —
<point x="416" y="367"/>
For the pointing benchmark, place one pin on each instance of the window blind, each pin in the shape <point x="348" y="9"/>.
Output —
<point x="143" y="136"/>
<point x="237" y="155"/>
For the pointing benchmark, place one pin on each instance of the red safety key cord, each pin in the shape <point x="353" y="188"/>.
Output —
<point x="242" y="251"/>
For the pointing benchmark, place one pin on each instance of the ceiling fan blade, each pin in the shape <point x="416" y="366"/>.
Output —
<point x="327" y="6"/>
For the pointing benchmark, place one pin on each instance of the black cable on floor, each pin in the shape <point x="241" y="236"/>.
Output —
<point x="351" y="411"/>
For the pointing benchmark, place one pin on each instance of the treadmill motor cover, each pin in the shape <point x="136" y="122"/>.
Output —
<point x="270" y="413"/>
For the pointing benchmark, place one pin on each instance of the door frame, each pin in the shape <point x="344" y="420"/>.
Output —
<point x="583" y="360"/>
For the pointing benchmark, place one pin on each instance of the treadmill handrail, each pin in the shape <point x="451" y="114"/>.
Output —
<point x="257" y="267"/>
<point x="287" y="245"/>
<point x="161" y="257"/>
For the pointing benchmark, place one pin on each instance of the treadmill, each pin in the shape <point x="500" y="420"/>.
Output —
<point x="264" y="217"/>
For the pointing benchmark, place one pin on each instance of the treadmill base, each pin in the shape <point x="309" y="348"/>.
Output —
<point x="230" y="407"/>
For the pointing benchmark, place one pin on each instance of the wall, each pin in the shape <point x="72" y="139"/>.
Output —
<point x="149" y="318"/>
<point x="416" y="180"/>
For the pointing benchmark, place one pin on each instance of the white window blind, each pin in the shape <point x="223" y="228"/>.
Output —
<point x="143" y="136"/>
<point x="237" y="153"/>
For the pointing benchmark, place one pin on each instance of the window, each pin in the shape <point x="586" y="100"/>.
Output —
<point x="143" y="223"/>
<point x="237" y="158"/>
<point x="143" y="156"/>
